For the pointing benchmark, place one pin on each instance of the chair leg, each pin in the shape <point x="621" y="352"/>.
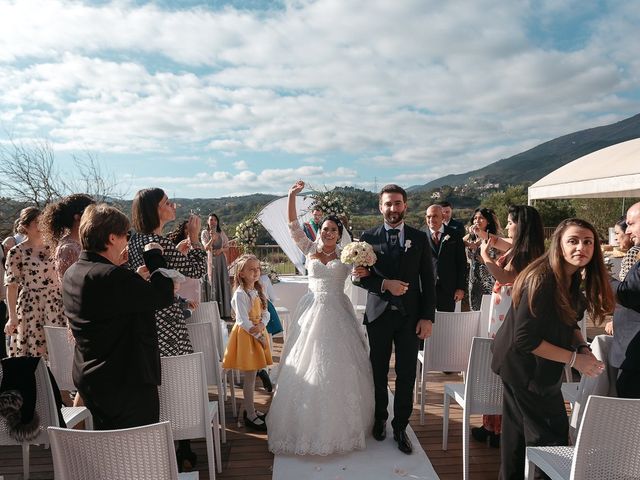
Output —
<point x="216" y="442"/>
<point x="423" y="393"/>
<point x="223" y="419"/>
<point x="417" y="384"/>
<point x="445" y="422"/>
<point x="465" y="443"/>
<point x="25" y="460"/>
<point x="529" y="469"/>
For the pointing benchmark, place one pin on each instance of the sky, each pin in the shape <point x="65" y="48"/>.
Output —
<point x="219" y="98"/>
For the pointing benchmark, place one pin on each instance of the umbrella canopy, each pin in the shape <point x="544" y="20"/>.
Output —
<point x="607" y="173"/>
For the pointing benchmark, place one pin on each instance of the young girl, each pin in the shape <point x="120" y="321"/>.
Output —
<point x="248" y="346"/>
<point x="540" y="335"/>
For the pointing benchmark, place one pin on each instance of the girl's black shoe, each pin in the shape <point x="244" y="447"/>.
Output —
<point x="186" y="460"/>
<point x="266" y="381"/>
<point x="258" y="424"/>
<point x="480" y="434"/>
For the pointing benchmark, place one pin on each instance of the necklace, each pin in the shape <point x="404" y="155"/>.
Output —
<point x="328" y="254"/>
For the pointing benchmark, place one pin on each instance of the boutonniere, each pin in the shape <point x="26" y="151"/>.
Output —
<point x="446" y="237"/>
<point x="407" y="245"/>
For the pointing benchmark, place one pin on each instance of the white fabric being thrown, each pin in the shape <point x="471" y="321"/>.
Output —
<point x="274" y="218"/>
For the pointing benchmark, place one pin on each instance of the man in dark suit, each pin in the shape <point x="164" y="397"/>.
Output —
<point x="116" y="365"/>
<point x="628" y="295"/>
<point x="400" y="309"/>
<point x="449" y="260"/>
<point x="449" y="221"/>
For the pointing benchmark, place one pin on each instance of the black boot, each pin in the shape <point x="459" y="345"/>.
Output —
<point x="266" y="381"/>
<point x="480" y="434"/>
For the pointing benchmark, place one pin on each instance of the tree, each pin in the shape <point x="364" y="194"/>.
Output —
<point x="29" y="176"/>
<point x="602" y="212"/>
<point x="499" y="202"/>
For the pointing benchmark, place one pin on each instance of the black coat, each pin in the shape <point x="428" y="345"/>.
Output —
<point x="413" y="266"/>
<point x="523" y="331"/>
<point x="111" y="311"/>
<point x="450" y="263"/>
<point x="628" y="295"/>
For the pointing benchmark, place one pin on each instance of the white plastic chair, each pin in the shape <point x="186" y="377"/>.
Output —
<point x="203" y="340"/>
<point x="184" y="402"/>
<point x="481" y="393"/>
<point x="144" y="453"/>
<point x="485" y="318"/>
<point x="209" y="312"/>
<point x="447" y="349"/>
<point x="606" y="448"/>
<point x="60" y="351"/>
<point x="46" y="410"/>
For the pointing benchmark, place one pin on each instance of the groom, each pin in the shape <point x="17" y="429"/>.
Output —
<point x="400" y="309"/>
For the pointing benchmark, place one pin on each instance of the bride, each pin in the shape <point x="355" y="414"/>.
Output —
<point x="324" y="397"/>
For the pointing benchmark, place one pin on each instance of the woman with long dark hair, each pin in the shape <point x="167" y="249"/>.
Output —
<point x="481" y="281"/>
<point x="525" y="243"/>
<point x="150" y="212"/>
<point x="216" y="244"/>
<point x="541" y="335"/>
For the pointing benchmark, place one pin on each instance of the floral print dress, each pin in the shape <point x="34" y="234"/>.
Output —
<point x="39" y="299"/>
<point x="173" y="338"/>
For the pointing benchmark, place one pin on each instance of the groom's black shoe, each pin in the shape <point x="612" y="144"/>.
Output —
<point x="379" y="430"/>
<point x="404" y="444"/>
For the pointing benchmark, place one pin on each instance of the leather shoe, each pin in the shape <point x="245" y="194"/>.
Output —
<point x="404" y="444"/>
<point x="379" y="430"/>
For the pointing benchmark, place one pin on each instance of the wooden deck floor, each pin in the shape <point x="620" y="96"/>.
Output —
<point x="245" y="455"/>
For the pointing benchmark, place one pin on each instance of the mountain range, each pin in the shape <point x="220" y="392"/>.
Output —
<point x="532" y="165"/>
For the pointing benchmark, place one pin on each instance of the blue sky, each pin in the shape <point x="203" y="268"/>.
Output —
<point x="209" y="99"/>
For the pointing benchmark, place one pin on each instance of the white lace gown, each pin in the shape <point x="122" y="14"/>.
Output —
<point x="324" y="400"/>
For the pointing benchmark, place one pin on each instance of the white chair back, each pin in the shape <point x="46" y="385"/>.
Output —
<point x="145" y="453"/>
<point x="209" y="312"/>
<point x="60" y="350"/>
<point x="607" y="445"/>
<point x="485" y="316"/>
<point x="448" y="347"/>
<point x="482" y="388"/>
<point x="184" y="401"/>
<point x="202" y="337"/>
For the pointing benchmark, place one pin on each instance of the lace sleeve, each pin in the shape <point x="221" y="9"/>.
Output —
<point x="193" y="265"/>
<point x="300" y="239"/>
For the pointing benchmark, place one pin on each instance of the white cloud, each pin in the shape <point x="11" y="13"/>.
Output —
<point x="240" y="165"/>
<point x="315" y="81"/>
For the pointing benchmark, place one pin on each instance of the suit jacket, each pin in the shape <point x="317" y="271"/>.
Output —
<point x="627" y="327"/>
<point x="413" y="266"/>
<point x="450" y="263"/>
<point x="111" y="312"/>
<point x="457" y="226"/>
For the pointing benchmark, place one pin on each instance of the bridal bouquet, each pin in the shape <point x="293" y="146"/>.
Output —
<point x="359" y="254"/>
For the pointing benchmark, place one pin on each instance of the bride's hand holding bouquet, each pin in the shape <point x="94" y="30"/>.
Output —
<point x="361" y="256"/>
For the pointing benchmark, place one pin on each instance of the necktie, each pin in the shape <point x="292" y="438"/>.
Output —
<point x="436" y="238"/>
<point x="393" y="238"/>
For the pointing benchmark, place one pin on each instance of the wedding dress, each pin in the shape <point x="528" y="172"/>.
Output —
<point x="324" y="400"/>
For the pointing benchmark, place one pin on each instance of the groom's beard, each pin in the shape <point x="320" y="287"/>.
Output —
<point x="393" y="218"/>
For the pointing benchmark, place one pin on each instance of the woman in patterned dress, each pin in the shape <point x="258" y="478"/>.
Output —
<point x="151" y="211"/>
<point x="216" y="246"/>
<point x="524" y="244"/>
<point x="480" y="280"/>
<point x="30" y="271"/>
<point x="60" y="225"/>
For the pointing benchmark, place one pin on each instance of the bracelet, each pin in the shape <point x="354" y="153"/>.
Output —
<point x="573" y="359"/>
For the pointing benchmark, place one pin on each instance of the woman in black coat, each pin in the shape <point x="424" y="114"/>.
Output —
<point x="116" y="365"/>
<point x="541" y="335"/>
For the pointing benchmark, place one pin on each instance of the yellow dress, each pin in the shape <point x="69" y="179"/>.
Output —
<point x="244" y="351"/>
